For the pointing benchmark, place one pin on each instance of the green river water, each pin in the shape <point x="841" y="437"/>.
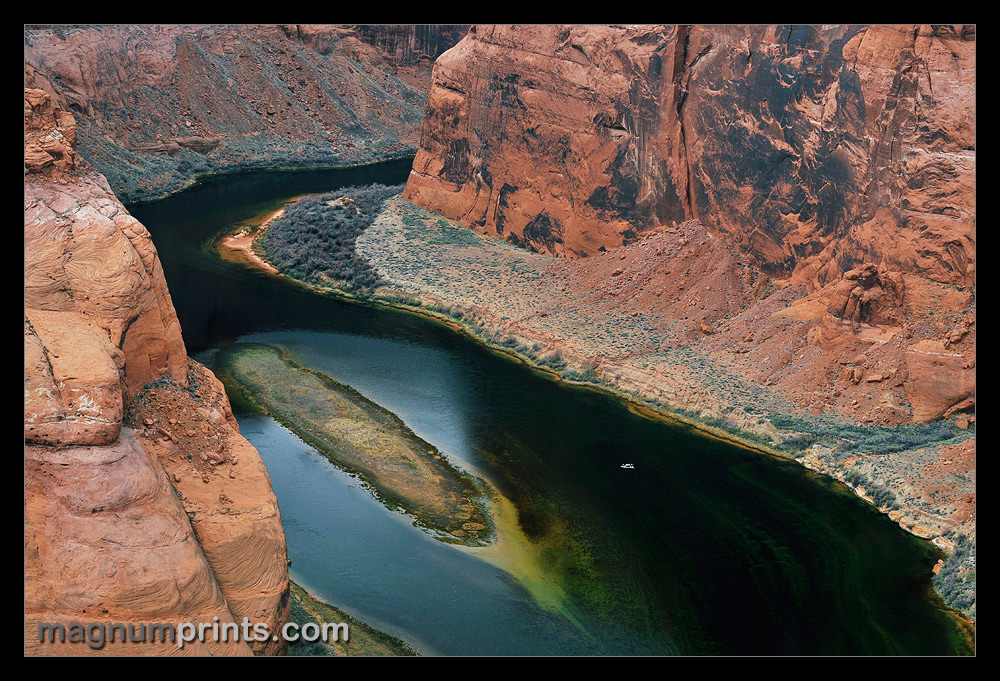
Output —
<point x="702" y="548"/>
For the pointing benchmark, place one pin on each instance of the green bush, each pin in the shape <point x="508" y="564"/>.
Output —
<point x="315" y="241"/>
<point x="850" y="439"/>
<point x="957" y="580"/>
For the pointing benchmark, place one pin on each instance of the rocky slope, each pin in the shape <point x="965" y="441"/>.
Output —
<point x="770" y="229"/>
<point x="142" y="501"/>
<point x="158" y="105"/>
<point x="411" y="49"/>
<point x="839" y="161"/>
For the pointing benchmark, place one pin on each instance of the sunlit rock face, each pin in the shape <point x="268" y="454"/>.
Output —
<point x="841" y="158"/>
<point x="811" y="148"/>
<point x="120" y="524"/>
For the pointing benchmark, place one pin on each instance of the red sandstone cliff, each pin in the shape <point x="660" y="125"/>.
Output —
<point x="838" y="158"/>
<point x="124" y="519"/>
<point x="799" y="144"/>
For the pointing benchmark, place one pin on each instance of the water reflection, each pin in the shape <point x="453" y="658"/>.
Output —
<point x="702" y="548"/>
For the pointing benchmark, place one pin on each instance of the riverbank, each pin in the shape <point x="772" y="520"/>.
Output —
<point x="238" y="247"/>
<point x="536" y="310"/>
<point x="222" y="173"/>
<point x="361" y="438"/>
<point x="363" y="639"/>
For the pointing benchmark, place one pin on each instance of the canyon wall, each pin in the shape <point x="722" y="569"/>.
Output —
<point x="766" y="227"/>
<point x="142" y="501"/>
<point x="160" y="105"/>
<point x="839" y="159"/>
<point x="408" y="44"/>
<point x="812" y="149"/>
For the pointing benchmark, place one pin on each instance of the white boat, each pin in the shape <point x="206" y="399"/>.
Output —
<point x="627" y="465"/>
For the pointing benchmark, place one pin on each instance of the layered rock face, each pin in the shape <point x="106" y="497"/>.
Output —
<point x="408" y="44"/>
<point x="411" y="49"/>
<point x="794" y="142"/>
<point x="839" y="158"/>
<point x="158" y="105"/>
<point x="124" y="521"/>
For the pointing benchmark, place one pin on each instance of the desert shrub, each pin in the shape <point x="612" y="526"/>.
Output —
<point x="797" y="443"/>
<point x="587" y="372"/>
<point x="553" y="360"/>
<point x="589" y="369"/>
<point x="957" y="580"/>
<point x="849" y="438"/>
<point x="882" y="497"/>
<point x="315" y="239"/>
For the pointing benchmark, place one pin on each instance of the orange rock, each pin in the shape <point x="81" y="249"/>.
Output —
<point x="84" y="254"/>
<point x="105" y="536"/>
<point x="574" y="140"/>
<point x="106" y="539"/>
<point x="157" y="91"/>
<point x="72" y="383"/>
<point x="569" y="139"/>
<point x="937" y="380"/>
<point x="49" y="134"/>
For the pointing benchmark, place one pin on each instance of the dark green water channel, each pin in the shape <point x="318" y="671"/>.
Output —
<point x="702" y="548"/>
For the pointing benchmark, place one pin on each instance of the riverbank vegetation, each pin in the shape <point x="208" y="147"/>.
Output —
<point x="314" y="241"/>
<point x="516" y="302"/>
<point x="363" y="639"/>
<point x="956" y="582"/>
<point x="850" y="439"/>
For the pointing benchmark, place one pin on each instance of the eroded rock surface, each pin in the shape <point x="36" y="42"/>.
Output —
<point x="835" y="163"/>
<point x="160" y="104"/>
<point x="113" y="532"/>
<point x="786" y="139"/>
<point x="840" y="159"/>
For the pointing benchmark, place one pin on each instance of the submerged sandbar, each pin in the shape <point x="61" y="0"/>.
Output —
<point x="362" y="438"/>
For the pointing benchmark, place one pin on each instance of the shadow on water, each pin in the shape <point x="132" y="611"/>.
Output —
<point x="702" y="548"/>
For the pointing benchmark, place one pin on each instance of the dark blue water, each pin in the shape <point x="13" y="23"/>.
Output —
<point x="703" y="548"/>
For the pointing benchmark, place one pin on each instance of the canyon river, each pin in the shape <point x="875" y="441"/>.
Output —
<point x="703" y="547"/>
